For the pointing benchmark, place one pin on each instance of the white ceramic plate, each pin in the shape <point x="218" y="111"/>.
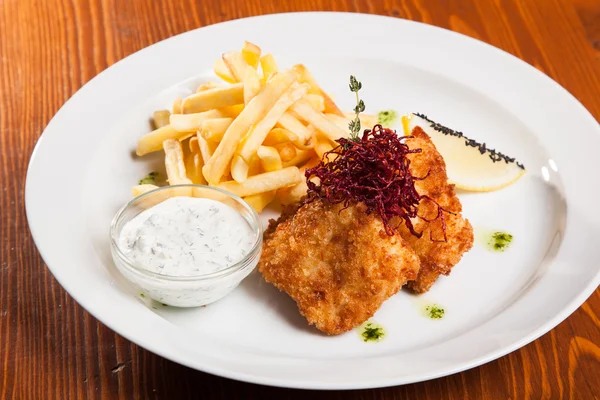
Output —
<point x="82" y="170"/>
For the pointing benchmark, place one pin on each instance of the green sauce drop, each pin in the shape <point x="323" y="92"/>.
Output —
<point x="500" y="241"/>
<point x="371" y="332"/>
<point x="150" y="179"/>
<point x="434" y="311"/>
<point x="493" y="240"/>
<point x="387" y="118"/>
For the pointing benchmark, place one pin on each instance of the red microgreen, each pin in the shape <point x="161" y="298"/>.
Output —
<point x="374" y="170"/>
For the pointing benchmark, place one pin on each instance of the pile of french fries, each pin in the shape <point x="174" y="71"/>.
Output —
<point x="253" y="135"/>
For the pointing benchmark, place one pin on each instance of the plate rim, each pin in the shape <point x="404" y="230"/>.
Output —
<point x="541" y="330"/>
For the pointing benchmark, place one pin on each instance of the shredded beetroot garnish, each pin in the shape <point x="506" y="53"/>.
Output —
<point x="373" y="170"/>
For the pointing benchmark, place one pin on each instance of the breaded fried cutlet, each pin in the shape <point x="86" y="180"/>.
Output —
<point x="338" y="265"/>
<point x="437" y="256"/>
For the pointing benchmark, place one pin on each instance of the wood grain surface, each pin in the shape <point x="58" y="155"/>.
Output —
<point x="50" y="348"/>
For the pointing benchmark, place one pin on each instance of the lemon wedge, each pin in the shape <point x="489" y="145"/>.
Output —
<point x="470" y="165"/>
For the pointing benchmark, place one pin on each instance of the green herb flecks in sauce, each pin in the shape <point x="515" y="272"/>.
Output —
<point x="371" y="332"/>
<point x="500" y="241"/>
<point x="387" y="118"/>
<point x="150" y="179"/>
<point x="434" y="311"/>
<point x="493" y="240"/>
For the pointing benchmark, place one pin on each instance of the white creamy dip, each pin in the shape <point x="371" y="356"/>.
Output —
<point x="187" y="236"/>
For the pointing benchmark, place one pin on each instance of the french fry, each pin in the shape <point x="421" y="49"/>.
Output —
<point x="239" y="168"/>
<point x="292" y="124"/>
<point x="193" y="166"/>
<point x="232" y="111"/>
<point x="193" y="145"/>
<point x="268" y="65"/>
<point x="251" y="84"/>
<point x="260" y="201"/>
<point x="251" y="54"/>
<point x="297" y="116"/>
<point x="185" y="146"/>
<point x="322" y="146"/>
<point x="299" y="158"/>
<point x="318" y="120"/>
<point x="306" y="76"/>
<point x="269" y="158"/>
<point x="213" y="129"/>
<point x="262" y="128"/>
<point x="177" y="106"/>
<point x="316" y="101"/>
<point x="174" y="163"/>
<point x="153" y="141"/>
<point x="138" y="190"/>
<point x="278" y="136"/>
<point x="206" y="86"/>
<point x="161" y="118"/>
<point x="209" y="193"/>
<point x="287" y="151"/>
<point x="194" y="162"/>
<point x="221" y="70"/>
<point x="226" y="174"/>
<point x="313" y="162"/>
<point x="236" y="64"/>
<point x="302" y="145"/>
<point x="191" y="122"/>
<point x="330" y="105"/>
<point x="254" y="167"/>
<point x="321" y="143"/>
<point x="367" y="121"/>
<point x="341" y="122"/>
<point x="206" y="148"/>
<point x="258" y="107"/>
<point x="214" y="98"/>
<point x="264" y="182"/>
<point x="292" y="194"/>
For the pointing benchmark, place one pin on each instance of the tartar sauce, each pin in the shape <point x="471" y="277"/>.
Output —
<point x="187" y="236"/>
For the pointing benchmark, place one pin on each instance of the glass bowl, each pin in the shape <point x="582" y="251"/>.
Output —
<point x="185" y="291"/>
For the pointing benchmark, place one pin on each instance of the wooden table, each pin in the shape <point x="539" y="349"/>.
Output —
<point x="51" y="348"/>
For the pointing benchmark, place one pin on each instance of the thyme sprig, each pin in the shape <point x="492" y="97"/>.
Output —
<point x="354" y="125"/>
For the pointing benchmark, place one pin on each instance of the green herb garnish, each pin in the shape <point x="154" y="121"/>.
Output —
<point x="372" y="332"/>
<point x="500" y="241"/>
<point x="435" y="312"/>
<point x="149" y="179"/>
<point x="354" y="125"/>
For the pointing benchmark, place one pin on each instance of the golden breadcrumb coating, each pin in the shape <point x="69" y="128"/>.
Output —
<point x="437" y="257"/>
<point x="338" y="265"/>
